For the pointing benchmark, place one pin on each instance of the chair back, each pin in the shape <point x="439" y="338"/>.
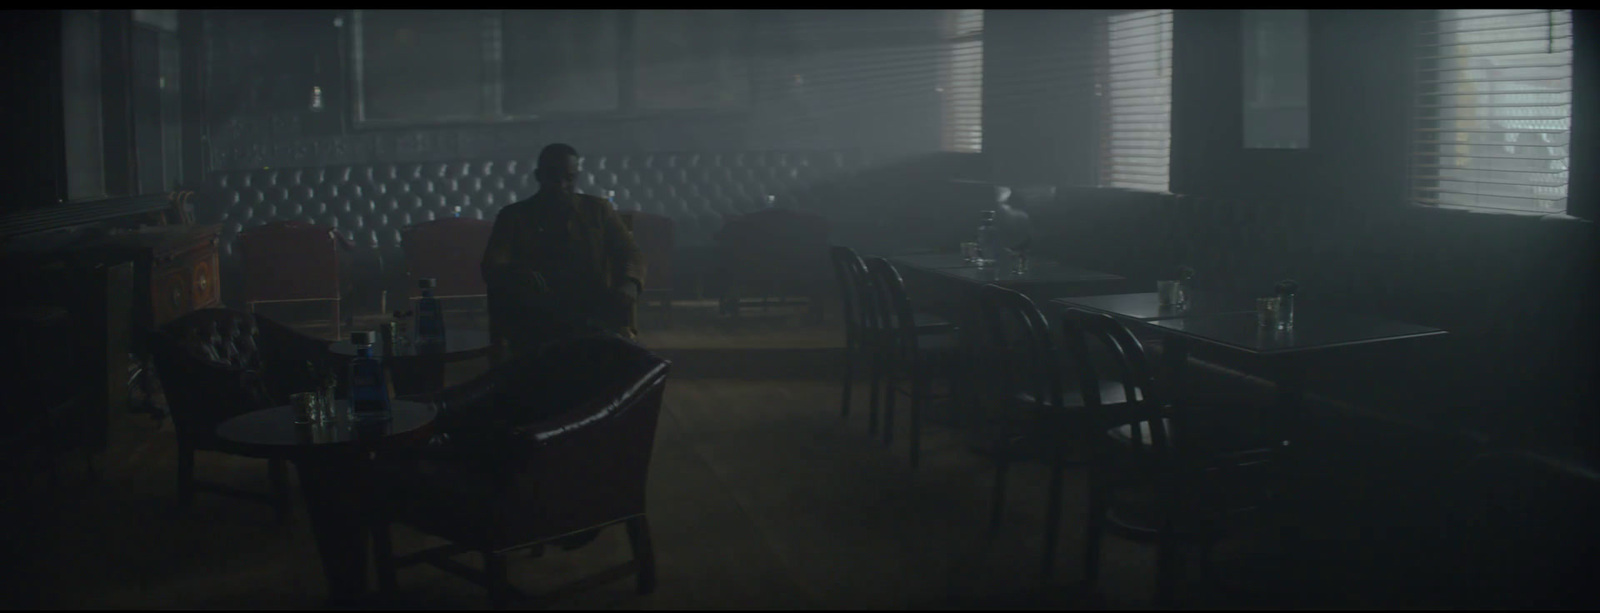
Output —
<point x="290" y="260"/>
<point x="1142" y="407"/>
<point x="854" y="291"/>
<point x="210" y="367"/>
<point x="449" y="250"/>
<point x="655" y="236"/>
<point x="572" y="428"/>
<point x="1020" y="354"/>
<point x="892" y="306"/>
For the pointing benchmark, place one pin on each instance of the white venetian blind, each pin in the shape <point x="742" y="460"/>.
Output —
<point x="1135" y="89"/>
<point x="961" y="81"/>
<point x="1493" y="109"/>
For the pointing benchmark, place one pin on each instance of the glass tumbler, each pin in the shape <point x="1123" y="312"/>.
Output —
<point x="1267" y="312"/>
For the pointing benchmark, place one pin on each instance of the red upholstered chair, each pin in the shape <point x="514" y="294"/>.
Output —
<point x="654" y="236"/>
<point x="450" y="251"/>
<point x="292" y="261"/>
<point x="782" y="251"/>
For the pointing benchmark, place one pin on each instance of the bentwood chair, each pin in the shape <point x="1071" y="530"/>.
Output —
<point x="908" y="353"/>
<point x="1206" y="465"/>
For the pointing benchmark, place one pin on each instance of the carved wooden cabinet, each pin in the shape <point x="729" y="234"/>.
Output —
<point x="183" y="273"/>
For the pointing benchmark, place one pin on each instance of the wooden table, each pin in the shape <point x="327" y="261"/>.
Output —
<point x="1147" y="306"/>
<point x="1316" y="329"/>
<point x="459" y="344"/>
<point x="334" y="465"/>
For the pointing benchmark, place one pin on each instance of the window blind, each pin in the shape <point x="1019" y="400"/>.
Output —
<point x="961" y="81"/>
<point x="1135" y="90"/>
<point x="1493" y="112"/>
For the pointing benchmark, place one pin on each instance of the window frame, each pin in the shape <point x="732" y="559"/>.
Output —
<point x="627" y="106"/>
<point x="950" y="129"/>
<point x="1415" y="19"/>
<point x="1102" y="85"/>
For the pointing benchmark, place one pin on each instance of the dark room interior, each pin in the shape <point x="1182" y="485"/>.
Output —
<point x="800" y="309"/>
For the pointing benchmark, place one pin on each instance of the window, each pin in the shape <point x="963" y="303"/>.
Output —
<point x="502" y="65"/>
<point x="1135" y="90"/>
<point x="1493" y="109"/>
<point x="961" y="81"/>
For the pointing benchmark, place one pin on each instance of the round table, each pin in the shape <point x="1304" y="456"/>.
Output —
<point x="458" y="344"/>
<point x="334" y="466"/>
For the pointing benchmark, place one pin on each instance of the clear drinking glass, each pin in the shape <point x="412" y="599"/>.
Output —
<point x="1267" y="312"/>
<point x="1169" y="293"/>
<point x="969" y="251"/>
<point x="305" y="407"/>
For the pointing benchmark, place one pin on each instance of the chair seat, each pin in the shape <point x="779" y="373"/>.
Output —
<point x="1211" y="430"/>
<point x="928" y="323"/>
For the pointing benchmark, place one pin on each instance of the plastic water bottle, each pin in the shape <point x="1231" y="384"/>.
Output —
<point x="988" y="240"/>
<point x="430" y="320"/>
<point x="369" y="384"/>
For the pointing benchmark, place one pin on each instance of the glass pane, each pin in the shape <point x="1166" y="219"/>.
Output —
<point x="1276" y="108"/>
<point x="559" y="61"/>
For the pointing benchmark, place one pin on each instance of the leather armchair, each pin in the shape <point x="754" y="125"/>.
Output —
<point x="215" y="364"/>
<point x="542" y="447"/>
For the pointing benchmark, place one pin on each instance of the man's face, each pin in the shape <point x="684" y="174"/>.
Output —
<point x="563" y="177"/>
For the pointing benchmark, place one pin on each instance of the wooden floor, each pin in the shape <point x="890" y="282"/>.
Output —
<point x="760" y="497"/>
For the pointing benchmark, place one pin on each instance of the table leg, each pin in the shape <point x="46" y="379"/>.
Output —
<point x="1293" y="504"/>
<point x="335" y="496"/>
<point x="1174" y="357"/>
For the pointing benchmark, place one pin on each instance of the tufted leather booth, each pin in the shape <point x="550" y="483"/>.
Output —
<point x="371" y="203"/>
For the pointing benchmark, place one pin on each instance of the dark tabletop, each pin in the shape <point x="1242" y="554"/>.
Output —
<point x="931" y="261"/>
<point x="1313" y="329"/>
<point x="455" y="341"/>
<point x="1147" y="306"/>
<point x="274" y="428"/>
<point x="1040" y="272"/>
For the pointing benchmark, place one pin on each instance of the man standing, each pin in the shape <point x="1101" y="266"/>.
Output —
<point x="560" y="264"/>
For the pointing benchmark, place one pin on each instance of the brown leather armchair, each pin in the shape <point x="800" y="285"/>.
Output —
<point x="292" y="261"/>
<point x="218" y="363"/>
<point x="541" y="448"/>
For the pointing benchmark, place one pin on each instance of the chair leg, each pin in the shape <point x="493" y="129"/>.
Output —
<point x="919" y="401"/>
<point x="383" y="551"/>
<point x="643" y="552"/>
<point x="1169" y="563"/>
<point x="1002" y="466"/>
<point x="1094" y="532"/>
<point x="185" y="475"/>
<point x="849" y="376"/>
<point x="494" y="571"/>
<point x="336" y="321"/>
<point x="278" y="474"/>
<point x="875" y="358"/>
<point x="890" y="391"/>
<point x="1052" y="514"/>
